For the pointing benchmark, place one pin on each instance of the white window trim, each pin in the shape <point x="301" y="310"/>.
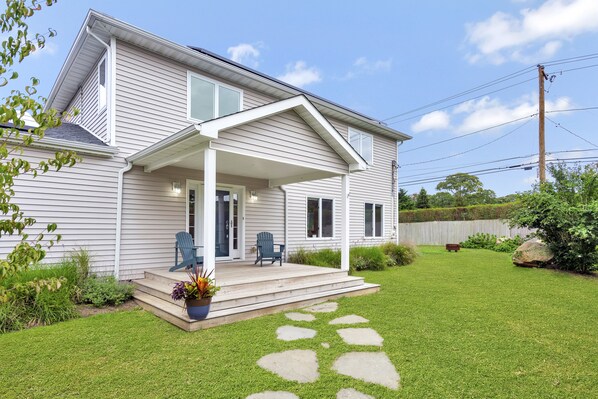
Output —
<point x="361" y="133"/>
<point x="373" y="236"/>
<point x="216" y="94"/>
<point x="319" y="237"/>
<point x="106" y="99"/>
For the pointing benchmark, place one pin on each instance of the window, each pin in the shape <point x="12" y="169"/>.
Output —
<point x="208" y="99"/>
<point x="102" y="84"/>
<point x="373" y="220"/>
<point x="320" y="217"/>
<point x="363" y="143"/>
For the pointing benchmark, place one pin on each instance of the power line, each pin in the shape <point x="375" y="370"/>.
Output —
<point x="571" y="110"/>
<point x="472" y="149"/>
<point x="575" y="134"/>
<point x="469" y="134"/>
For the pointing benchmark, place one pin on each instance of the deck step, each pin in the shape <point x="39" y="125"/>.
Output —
<point x="237" y="298"/>
<point x="177" y="315"/>
<point x="278" y="278"/>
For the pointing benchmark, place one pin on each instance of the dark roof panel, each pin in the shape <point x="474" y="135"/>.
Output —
<point x="67" y="131"/>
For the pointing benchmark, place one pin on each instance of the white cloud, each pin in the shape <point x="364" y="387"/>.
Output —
<point x="299" y="74"/>
<point x="533" y="35"/>
<point x="437" y="120"/>
<point x="246" y="54"/>
<point x="487" y="112"/>
<point x="363" y="66"/>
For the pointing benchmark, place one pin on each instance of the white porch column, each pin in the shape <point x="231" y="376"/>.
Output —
<point x="209" y="211"/>
<point x="345" y="225"/>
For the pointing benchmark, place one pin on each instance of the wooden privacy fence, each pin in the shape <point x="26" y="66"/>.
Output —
<point x="440" y="233"/>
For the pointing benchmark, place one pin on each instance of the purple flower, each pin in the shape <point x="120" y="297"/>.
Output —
<point x="178" y="291"/>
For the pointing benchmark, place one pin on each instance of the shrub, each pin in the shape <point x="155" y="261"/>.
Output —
<point x="102" y="291"/>
<point x="323" y="257"/>
<point x="474" y="212"/>
<point x="480" y="241"/>
<point x="565" y="212"/>
<point x="400" y="254"/>
<point x="368" y="258"/>
<point x="505" y="244"/>
<point x="81" y="260"/>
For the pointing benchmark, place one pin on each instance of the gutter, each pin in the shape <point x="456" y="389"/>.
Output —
<point x="286" y="219"/>
<point x="119" y="214"/>
<point x="77" y="146"/>
<point x="109" y="84"/>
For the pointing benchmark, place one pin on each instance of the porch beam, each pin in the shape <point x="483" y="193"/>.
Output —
<point x="345" y="225"/>
<point x="209" y="211"/>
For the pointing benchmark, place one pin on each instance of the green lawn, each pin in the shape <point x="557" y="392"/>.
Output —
<point x="456" y="325"/>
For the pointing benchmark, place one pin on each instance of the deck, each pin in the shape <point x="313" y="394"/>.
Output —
<point x="249" y="291"/>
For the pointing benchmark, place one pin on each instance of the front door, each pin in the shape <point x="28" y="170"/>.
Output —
<point x="228" y="219"/>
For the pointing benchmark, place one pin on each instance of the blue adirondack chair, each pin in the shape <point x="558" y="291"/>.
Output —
<point x="265" y="249"/>
<point x="184" y="245"/>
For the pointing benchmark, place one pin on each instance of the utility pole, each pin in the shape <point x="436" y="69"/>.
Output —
<point x="541" y="114"/>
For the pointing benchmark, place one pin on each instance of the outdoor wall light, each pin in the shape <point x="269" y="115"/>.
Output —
<point x="176" y="187"/>
<point x="253" y="196"/>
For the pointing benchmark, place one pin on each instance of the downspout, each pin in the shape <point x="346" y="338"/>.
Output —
<point x="396" y="194"/>
<point x="119" y="215"/>
<point x="109" y="85"/>
<point x="286" y="224"/>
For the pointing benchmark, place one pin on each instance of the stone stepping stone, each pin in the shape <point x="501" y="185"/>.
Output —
<point x="350" y="393"/>
<point x="292" y="333"/>
<point x="294" y="365"/>
<point x="350" y="319"/>
<point x="360" y="336"/>
<point x="326" y="307"/>
<point x="300" y="316"/>
<point x="374" y="367"/>
<point x="273" y="395"/>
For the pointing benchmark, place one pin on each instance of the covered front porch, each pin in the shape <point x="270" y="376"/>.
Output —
<point x="267" y="147"/>
<point x="249" y="291"/>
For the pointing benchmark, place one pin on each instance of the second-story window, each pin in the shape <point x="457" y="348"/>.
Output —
<point x="363" y="143"/>
<point x="208" y="99"/>
<point x="102" y="84"/>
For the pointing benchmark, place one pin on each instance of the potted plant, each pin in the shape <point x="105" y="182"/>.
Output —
<point x="197" y="293"/>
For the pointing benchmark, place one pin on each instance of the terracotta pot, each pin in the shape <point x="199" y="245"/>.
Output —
<point x="198" y="309"/>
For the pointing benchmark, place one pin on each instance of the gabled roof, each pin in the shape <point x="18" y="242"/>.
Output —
<point x="164" y="152"/>
<point x="86" y="51"/>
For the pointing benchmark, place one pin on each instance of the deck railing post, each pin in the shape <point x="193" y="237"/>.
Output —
<point x="209" y="211"/>
<point x="345" y="225"/>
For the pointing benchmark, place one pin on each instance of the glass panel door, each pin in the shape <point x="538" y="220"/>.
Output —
<point x="223" y="205"/>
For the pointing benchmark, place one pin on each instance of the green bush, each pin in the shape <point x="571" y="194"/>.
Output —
<point x="39" y="296"/>
<point x="509" y="245"/>
<point x="480" y="241"/>
<point x="474" y="212"/>
<point x="368" y="258"/>
<point x="324" y="257"/>
<point x="102" y="291"/>
<point x="400" y="254"/>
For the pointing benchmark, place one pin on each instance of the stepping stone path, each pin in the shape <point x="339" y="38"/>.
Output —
<point x="326" y="307"/>
<point x="372" y="367"/>
<point x="294" y="365"/>
<point x="300" y="316"/>
<point x="351" y="319"/>
<point x="351" y="393"/>
<point x="273" y="395"/>
<point x="292" y="333"/>
<point x="302" y="365"/>
<point x="360" y="336"/>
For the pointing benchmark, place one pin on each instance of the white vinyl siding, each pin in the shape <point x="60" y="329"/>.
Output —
<point x="151" y="97"/>
<point x="87" y="100"/>
<point x="363" y="143"/>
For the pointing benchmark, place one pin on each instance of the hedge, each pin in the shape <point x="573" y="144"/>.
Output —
<point x="474" y="212"/>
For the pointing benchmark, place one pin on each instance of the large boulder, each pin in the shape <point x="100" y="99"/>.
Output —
<point x="533" y="253"/>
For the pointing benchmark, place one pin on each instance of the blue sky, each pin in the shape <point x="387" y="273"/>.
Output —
<point x="386" y="58"/>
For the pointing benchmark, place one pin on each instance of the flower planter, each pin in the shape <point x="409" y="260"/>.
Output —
<point x="198" y="309"/>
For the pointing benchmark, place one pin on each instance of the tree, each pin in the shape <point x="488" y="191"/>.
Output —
<point x="462" y="186"/>
<point x="482" y="197"/>
<point x="16" y="136"/>
<point x="422" y="201"/>
<point x="442" y="199"/>
<point x="565" y="212"/>
<point x="405" y="201"/>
